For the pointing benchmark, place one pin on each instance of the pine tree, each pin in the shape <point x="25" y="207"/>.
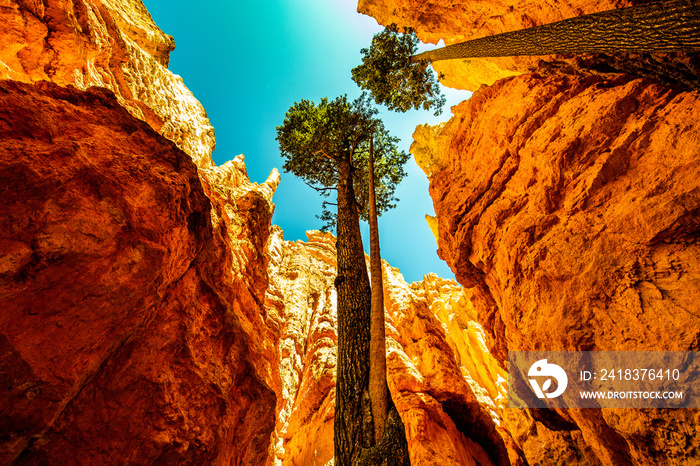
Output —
<point x="327" y="145"/>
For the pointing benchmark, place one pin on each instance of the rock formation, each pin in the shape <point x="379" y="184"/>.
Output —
<point x="576" y="223"/>
<point x="133" y="327"/>
<point x="151" y="314"/>
<point x="449" y="390"/>
<point x="110" y="44"/>
<point x="566" y="202"/>
<point x="130" y="330"/>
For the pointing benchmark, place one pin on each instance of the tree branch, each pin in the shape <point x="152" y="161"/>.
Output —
<point x="321" y="190"/>
<point x="323" y="152"/>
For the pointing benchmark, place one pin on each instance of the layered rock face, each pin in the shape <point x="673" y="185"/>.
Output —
<point x="302" y="297"/>
<point x="617" y="183"/>
<point x="110" y="44"/>
<point x="567" y="203"/>
<point x="449" y="390"/>
<point x="574" y="216"/>
<point x="149" y="315"/>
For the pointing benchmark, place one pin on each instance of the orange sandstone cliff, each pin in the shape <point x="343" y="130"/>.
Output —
<point x="125" y="327"/>
<point x="567" y="203"/>
<point x="576" y="224"/>
<point x="449" y="390"/>
<point x="105" y="43"/>
<point x="152" y="315"/>
<point x="132" y="282"/>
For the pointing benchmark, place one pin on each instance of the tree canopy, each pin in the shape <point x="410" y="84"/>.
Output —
<point x="313" y="138"/>
<point x="393" y="78"/>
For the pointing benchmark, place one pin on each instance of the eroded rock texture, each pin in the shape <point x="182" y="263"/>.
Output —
<point x="574" y="216"/>
<point x="449" y="390"/>
<point x="149" y="316"/>
<point x="133" y="327"/>
<point x="126" y="326"/>
<point x="105" y="43"/>
<point x="567" y="202"/>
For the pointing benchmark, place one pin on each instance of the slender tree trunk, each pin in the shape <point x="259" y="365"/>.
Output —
<point x="351" y="432"/>
<point x="662" y="26"/>
<point x="390" y="447"/>
<point x="377" y="347"/>
<point x="353" y="437"/>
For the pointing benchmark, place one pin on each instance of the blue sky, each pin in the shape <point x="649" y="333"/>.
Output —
<point x="248" y="62"/>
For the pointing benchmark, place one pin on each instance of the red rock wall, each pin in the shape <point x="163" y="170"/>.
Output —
<point x="602" y="202"/>
<point x="568" y="204"/>
<point x="123" y="331"/>
<point x="573" y="214"/>
<point x="147" y="319"/>
<point x="133" y="326"/>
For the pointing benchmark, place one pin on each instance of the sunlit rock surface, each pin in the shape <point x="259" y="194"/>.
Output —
<point x="131" y="325"/>
<point x="303" y="297"/>
<point x="573" y="215"/>
<point x="151" y="315"/>
<point x="107" y="43"/>
<point x="567" y="203"/>
<point x="449" y="390"/>
<point x="133" y="284"/>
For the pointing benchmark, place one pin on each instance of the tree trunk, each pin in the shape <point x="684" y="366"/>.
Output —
<point x="377" y="347"/>
<point x="351" y="432"/>
<point x="353" y="436"/>
<point x="662" y="26"/>
<point x="390" y="447"/>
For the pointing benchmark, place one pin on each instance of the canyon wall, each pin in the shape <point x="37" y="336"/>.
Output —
<point x="110" y="44"/>
<point x="133" y="271"/>
<point x="152" y="315"/>
<point x="449" y="391"/>
<point x="130" y="329"/>
<point x="576" y="223"/>
<point x="568" y="204"/>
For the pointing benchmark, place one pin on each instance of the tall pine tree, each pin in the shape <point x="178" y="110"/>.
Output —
<point x="327" y="145"/>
